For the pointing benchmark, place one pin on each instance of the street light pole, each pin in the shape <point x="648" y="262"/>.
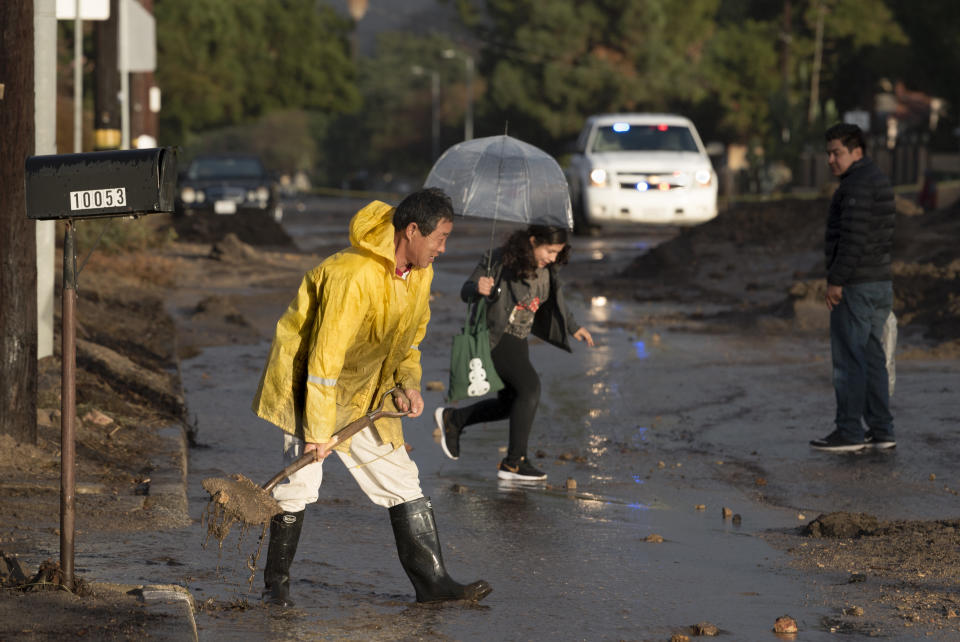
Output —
<point x="417" y="70"/>
<point x="468" y="90"/>
<point x="468" y="116"/>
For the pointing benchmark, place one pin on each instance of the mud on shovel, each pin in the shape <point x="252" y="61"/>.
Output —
<point x="238" y="499"/>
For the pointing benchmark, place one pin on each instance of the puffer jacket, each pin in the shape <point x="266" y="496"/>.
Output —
<point x="553" y="322"/>
<point x="860" y="226"/>
<point x="351" y="332"/>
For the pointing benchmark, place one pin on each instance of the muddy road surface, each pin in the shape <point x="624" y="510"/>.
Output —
<point x="680" y="478"/>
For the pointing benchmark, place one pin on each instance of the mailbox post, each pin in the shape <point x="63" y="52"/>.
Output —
<point x="82" y="186"/>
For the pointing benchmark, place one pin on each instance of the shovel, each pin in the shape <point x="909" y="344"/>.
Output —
<point x="240" y="499"/>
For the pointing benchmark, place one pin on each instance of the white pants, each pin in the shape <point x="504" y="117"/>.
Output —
<point x="386" y="474"/>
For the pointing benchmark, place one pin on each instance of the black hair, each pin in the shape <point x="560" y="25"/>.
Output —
<point x="849" y="135"/>
<point x="425" y="207"/>
<point x="518" y="253"/>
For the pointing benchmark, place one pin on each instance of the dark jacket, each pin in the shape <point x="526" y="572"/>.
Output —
<point x="553" y="322"/>
<point x="860" y="226"/>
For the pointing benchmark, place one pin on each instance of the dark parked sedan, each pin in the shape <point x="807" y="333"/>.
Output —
<point x="227" y="184"/>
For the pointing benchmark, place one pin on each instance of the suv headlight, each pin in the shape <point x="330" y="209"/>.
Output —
<point x="704" y="176"/>
<point x="598" y="177"/>
<point x="263" y="194"/>
<point x="188" y="195"/>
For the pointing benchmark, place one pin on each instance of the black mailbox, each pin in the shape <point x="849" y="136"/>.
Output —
<point x="101" y="184"/>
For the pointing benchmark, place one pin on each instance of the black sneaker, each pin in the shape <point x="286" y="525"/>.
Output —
<point x="521" y="470"/>
<point x="835" y="443"/>
<point x="879" y="443"/>
<point x="449" y="434"/>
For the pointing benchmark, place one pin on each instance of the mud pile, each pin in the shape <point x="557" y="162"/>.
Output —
<point x="254" y="228"/>
<point x="766" y="260"/>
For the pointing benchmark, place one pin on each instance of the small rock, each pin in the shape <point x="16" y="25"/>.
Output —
<point x="701" y="507"/>
<point x="727" y="513"/>
<point x="654" y="538"/>
<point x="801" y="516"/>
<point x="705" y="628"/>
<point x="785" y="624"/>
<point x="932" y="477"/>
<point x="459" y="488"/>
<point x="436" y="386"/>
<point x="951" y="614"/>
<point x="565" y="456"/>
<point x="97" y="418"/>
<point x="760" y="481"/>
<point x="853" y="610"/>
<point x="571" y="483"/>
<point x="736" y="519"/>
<point x="855" y="578"/>
<point x="661" y="464"/>
<point x="679" y="637"/>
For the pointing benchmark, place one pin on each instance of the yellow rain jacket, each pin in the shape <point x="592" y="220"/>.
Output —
<point x="351" y="333"/>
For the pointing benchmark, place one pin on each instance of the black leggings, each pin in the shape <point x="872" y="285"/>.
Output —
<point x="518" y="400"/>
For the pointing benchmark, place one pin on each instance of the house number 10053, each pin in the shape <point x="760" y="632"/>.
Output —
<point x="94" y="199"/>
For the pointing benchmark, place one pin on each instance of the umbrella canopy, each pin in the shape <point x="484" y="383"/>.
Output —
<point x="505" y="179"/>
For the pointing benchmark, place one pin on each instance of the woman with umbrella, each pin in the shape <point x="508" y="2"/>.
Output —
<point x="524" y="296"/>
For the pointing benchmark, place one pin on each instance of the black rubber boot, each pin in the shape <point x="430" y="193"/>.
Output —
<point x="284" y="536"/>
<point x="419" y="549"/>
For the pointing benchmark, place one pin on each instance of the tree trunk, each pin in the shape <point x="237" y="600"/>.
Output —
<point x="18" y="251"/>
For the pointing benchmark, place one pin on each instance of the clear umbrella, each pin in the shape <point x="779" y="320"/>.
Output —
<point x="503" y="178"/>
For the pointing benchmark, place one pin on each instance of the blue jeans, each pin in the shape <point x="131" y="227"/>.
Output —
<point x="859" y="364"/>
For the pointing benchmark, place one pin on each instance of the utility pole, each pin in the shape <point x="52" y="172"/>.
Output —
<point x="106" y="105"/>
<point x="45" y="142"/>
<point x="817" y="61"/>
<point x="18" y="250"/>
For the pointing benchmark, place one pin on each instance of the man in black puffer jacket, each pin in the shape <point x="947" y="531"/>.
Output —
<point x="859" y="293"/>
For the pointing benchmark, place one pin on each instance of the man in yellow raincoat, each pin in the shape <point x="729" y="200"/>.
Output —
<point x="351" y="333"/>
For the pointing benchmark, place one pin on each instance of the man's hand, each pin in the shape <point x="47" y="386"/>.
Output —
<point x="833" y="296"/>
<point x="415" y="407"/>
<point x="583" y="335"/>
<point x="325" y="448"/>
<point x="485" y="285"/>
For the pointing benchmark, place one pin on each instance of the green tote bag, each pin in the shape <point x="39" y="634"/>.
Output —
<point x="471" y="368"/>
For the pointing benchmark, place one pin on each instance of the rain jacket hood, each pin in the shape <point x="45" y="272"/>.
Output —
<point x="351" y="333"/>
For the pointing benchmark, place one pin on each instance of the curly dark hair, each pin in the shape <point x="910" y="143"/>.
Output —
<point x="518" y="253"/>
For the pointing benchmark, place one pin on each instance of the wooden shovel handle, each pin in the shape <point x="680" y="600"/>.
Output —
<point x="346" y="432"/>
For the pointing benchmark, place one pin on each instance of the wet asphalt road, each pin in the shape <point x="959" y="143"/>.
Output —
<point x="652" y="424"/>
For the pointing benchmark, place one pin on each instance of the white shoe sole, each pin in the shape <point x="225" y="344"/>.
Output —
<point x="438" y="419"/>
<point x="506" y="475"/>
<point x="851" y="448"/>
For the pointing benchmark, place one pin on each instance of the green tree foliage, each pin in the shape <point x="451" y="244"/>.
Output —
<point x="393" y="130"/>
<point x="226" y="63"/>
<point x="742" y="67"/>
<point x="551" y="63"/>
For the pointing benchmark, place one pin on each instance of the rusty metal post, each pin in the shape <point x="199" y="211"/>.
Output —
<point x="68" y="407"/>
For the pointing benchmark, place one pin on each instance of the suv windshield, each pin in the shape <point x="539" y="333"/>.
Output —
<point x="622" y="137"/>
<point x="225" y="167"/>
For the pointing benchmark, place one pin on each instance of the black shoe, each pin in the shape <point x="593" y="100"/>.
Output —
<point x="879" y="443"/>
<point x="835" y="443"/>
<point x="418" y="547"/>
<point x="449" y="433"/>
<point x="284" y="536"/>
<point x="521" y="470"/>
